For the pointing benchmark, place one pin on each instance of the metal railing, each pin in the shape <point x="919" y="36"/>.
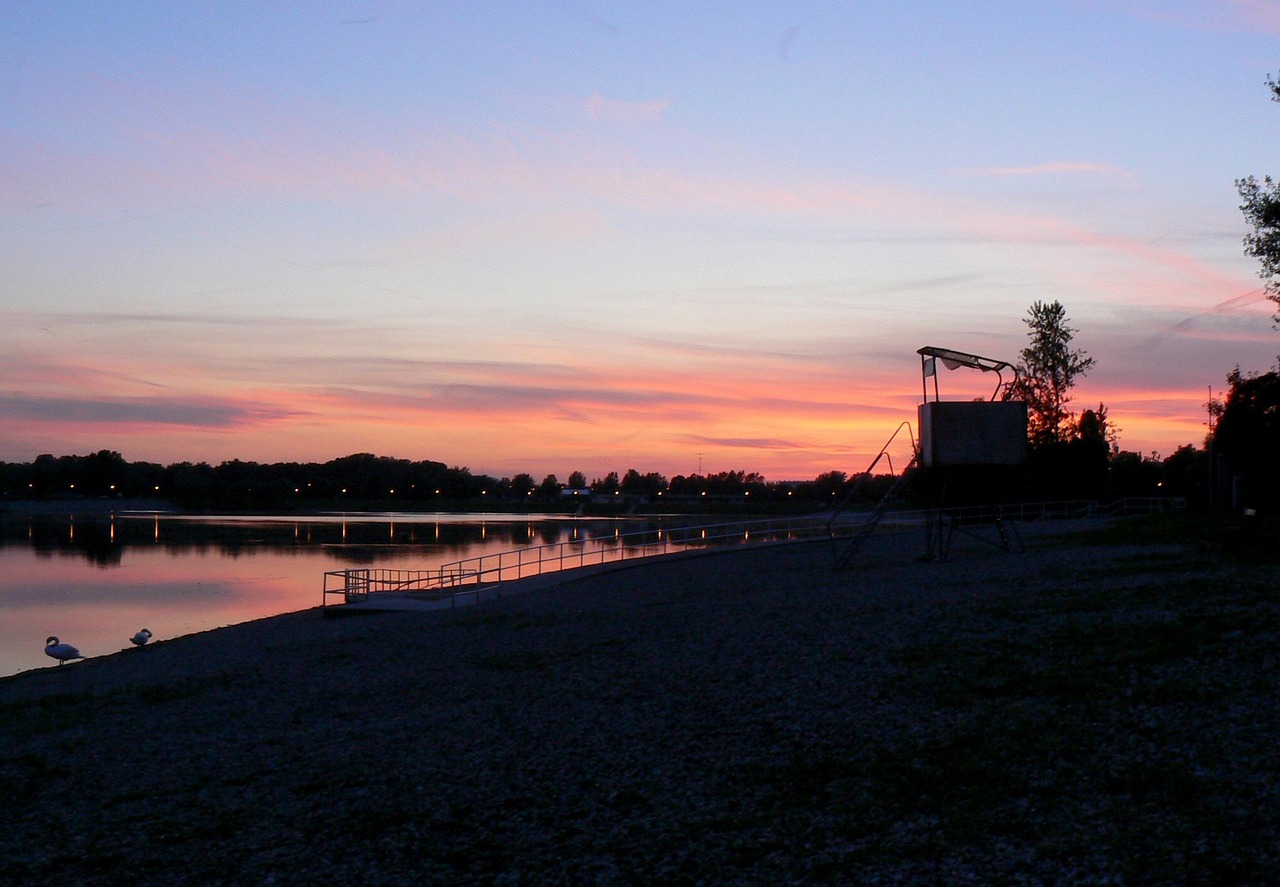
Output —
<point x="469" y="574"/>
<point x="1033" y="512"/>
<point x="520" y="563"/>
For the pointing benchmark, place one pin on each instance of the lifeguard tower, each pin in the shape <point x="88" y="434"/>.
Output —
<point x="969" y="453"/>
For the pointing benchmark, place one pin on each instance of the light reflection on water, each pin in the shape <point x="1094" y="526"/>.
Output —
<point x="95" y="581"/>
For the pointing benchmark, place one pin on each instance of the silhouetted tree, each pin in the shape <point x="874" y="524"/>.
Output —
<point x="1186" y="474"/>
<point x="609" y="485"/>
<point x="830" y="486"/>
<point x="577" y="481"/>
<point x="45" y="476"/>
<point x="1047" y="372"/>
<point x="686" y="485"/>
<point x="550" y="487"/>
<point x="636" y="484"/>
<point x="188" y="484"/>
<point x="1095" y="428"/>
<point x="1261" y="208"/>
<point x="522" y="485"/>
<point x="1132" y="474"/>
<point x="1082" y="460"/>
<point x="1247" y="436"/>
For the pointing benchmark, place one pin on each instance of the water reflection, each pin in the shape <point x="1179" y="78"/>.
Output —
<point x="103" y="540"/>
<point x="95" y="580"/>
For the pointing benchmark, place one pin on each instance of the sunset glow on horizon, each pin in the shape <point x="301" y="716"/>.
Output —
<point x="550" y="237"/>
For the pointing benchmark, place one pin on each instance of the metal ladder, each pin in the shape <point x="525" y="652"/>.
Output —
<point x="842" y="558"/>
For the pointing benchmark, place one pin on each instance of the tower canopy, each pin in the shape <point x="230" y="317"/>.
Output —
<point x="953" y="360"/>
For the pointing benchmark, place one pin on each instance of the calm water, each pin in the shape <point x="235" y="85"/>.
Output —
<point x="94" y="581"/>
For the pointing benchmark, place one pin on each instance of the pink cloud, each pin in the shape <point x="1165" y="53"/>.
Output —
<point x="298" y="157"/>
<point x="625" y="112"/>
<point x="1263" y="14"/>
<point x="513" y="417"/>
<point x="579" y="401"/>
<point x="1208" y="15"/>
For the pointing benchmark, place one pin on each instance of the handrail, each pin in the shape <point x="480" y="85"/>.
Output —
<point x="469" y="574"/>
<point x="856" y="485"/>
<point x="519" y="563"/>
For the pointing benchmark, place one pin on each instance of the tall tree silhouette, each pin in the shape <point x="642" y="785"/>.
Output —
<point x="1261" y="208"/>
<point x="1047" y="372"/>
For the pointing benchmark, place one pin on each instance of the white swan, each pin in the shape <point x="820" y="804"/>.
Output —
<point x="141" y="637"/>
<point x="60" y="651"/>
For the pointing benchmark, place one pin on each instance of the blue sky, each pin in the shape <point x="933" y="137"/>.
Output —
<point x="550" y="237"/>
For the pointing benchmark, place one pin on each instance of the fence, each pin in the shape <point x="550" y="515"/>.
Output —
<point x="356" y="584"/>
<point x="470" y="574"/>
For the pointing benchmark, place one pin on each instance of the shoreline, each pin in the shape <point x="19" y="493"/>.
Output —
<point x="1066" y="714"/>
<point x="900" y="540"/>
<point x="56" y="560"/>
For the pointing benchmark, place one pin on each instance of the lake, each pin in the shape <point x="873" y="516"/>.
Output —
<point x="94" y="580"/>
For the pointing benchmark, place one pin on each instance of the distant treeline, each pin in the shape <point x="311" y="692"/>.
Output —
<point x="365" y="480"/>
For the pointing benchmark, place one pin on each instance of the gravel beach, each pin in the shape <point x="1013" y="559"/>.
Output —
<point x="1082" y="712"/>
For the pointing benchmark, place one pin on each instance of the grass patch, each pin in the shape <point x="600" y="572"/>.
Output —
<point x="1140" y="712"/>
<point x="1255" y="538"/>
<point x="1074" y="646"/>
<point x="1139" y="566"/>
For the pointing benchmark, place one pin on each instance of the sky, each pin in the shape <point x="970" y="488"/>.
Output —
<point x="549" y="236"/>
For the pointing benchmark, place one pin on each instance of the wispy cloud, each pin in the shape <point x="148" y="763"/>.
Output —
<point x="1057" y="167"/>
<point x="1252" y="299"/>
<point x="629" y="113"/>
<point x="748" y="443"/>
<point x="1264" y="14"/>
<point x="1207" y="15"/>
<point x="1193" y="270"/>
<point x="126" y="411"/>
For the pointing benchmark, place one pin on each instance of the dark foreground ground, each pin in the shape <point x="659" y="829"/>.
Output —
<point x="1100" y="709"/>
